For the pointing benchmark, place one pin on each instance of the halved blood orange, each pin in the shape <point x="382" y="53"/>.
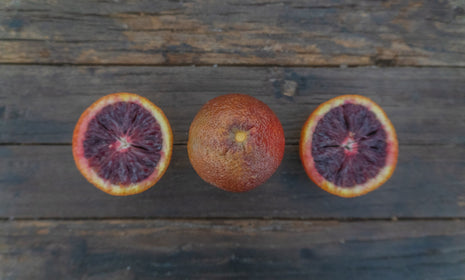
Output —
<point x="122" y="144"/>
<point x="348" y="146"/>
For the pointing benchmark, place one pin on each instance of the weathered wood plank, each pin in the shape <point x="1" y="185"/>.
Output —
<point x="414" y="32"/>
<point x="41" y="104"/>
<point x="42" y="181"/>
<point x="240" y="249"/>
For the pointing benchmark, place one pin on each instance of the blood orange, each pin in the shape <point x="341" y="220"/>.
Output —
<point x="348" y="146"/>
<point x="122" y="144"/>
<point x="236" y="142"/>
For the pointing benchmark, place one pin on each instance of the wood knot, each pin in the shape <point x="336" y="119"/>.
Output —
<point x="289" y="88"/>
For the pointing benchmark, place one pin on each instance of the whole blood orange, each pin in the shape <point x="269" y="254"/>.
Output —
<point x="236" y="142"/>
<point x="348" y="146"/>
<point x="122" y="144"/>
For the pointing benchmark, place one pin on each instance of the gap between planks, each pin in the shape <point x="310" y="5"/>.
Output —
<point x="283" y="219"/>
<point x="238" y="65"/>
<point x="288" y="144"/>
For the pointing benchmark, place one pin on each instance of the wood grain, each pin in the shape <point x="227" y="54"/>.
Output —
<point x="236" y="32"/>
<point x="43" y="182"/>
<point x="252" y="249"/>
<point x="41" y="104"/>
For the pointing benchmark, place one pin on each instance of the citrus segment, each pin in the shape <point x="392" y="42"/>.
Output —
<point x="122" y="144"/>
<point x="348" y="146"/>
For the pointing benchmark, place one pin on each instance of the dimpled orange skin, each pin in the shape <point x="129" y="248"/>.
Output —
<point x="236" y="142"/>
<point x="79" y="137"/>
<point x="306" y="144"/>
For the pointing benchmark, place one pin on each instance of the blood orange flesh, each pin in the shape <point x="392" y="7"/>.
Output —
<point x="349" y="146"/>
<point x="122" y="144"/>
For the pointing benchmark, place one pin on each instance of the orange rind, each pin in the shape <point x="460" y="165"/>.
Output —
<point x="236" y="142"/>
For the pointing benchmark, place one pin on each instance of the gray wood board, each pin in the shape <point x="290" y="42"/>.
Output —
<point x="43" y="182"/>
<point x="41" y="104"/>
<point x="237" y="32"/>
<point x="194" y="249"/>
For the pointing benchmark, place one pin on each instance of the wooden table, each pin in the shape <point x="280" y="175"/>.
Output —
<point x="59" y="56"/>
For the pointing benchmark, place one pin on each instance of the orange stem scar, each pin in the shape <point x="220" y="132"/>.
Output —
<point x="240" y="136"/>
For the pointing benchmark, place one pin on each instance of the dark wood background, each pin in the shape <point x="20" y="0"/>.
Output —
<point x="59" y="56"/>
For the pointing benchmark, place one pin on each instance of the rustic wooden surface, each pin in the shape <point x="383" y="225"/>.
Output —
<point x="426" y="105"/>
<point x="58" y="56"/>
<point x="259" y="32"/>
<point x="42" y="182"/>
<point x="251" y="249"/>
